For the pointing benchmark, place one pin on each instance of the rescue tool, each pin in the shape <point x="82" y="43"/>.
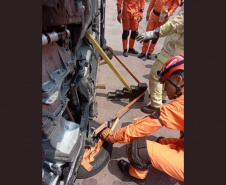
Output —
<point x="90" y="152"/>
<point x="129" y="92"/>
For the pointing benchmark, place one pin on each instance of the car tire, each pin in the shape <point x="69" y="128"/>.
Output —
<point x="100" y="160"/>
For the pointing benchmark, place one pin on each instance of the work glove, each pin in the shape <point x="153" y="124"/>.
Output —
<point x="146" y="36"/>
<point x="140" y="17"/>
<point x="147" y="18"/>
<point x="119" y="17"/>
<point x="107" y="135"/>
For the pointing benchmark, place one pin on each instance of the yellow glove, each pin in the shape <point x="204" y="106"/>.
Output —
<point x="107" y="135"/>
<point x="119" y="17"/>
<point x="140" y="16"/>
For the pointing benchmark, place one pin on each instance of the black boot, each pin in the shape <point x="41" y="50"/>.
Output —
<point x="124" y="167"/>
<point x="133" y="51"/>
<point x="125" y="53"/>
<point x="148" y="56"/>
<point x="148" y="109"/>
<point x="141" y="55"/>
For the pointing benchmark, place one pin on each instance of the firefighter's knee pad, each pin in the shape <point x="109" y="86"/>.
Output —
<point x="139" y="158"/>
<point x="154" y="41"/>
<point x="134" y="34"/>
<point x="125" y="34"/>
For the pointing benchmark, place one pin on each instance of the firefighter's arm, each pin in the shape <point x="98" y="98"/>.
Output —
<point x="151" y="5"/>
<point x="172" y="115"/>
<point x="172" y="9"/>
<point x="141" y="128"/>
<point x="119" y="4"/>
<point x="176" y="25"/>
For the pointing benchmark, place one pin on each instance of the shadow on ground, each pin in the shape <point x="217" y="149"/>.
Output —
<point x="148" y="65"/>
<point x="146" y="76"/>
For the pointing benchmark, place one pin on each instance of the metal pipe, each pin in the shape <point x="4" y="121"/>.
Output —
<point x="54" y="36"/>
<point x="123" y="65"/>
<point x="102" y="25"/>
<point x="105" y="57"/>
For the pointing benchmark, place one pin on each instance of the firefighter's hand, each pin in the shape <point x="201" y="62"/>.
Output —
<point x="119" y="17"/>
<point x="140" y="16"/>
<point x="146" y="36"/>
<point x="107" y="135"/>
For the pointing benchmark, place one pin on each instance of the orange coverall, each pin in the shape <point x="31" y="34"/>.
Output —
<point x="130" y="14"/>
<point x="153" y="22"/>
<point x="168" y="154"/>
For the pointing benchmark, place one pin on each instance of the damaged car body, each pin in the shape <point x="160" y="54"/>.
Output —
<point x="69" y="79"/>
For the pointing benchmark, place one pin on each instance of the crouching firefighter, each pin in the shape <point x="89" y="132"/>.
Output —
<point x="166" y="154"/>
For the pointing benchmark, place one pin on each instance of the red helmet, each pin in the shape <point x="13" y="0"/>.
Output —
<point x="173" y="64"/>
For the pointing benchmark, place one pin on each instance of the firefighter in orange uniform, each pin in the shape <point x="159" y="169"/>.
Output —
<point x="131" y="14"/>
<point x="153" y="21"/>
<point x="166" y="154"/>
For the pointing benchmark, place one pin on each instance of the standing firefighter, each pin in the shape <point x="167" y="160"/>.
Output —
<point x="174" y="44"/>
<point x="166" y="154"/>
<point x="155" y="21"/>
<point x="131" y="15"/>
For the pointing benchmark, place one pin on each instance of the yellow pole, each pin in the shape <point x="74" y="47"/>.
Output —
<point x="105" y="57"/>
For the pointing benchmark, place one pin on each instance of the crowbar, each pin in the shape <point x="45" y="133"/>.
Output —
<point x="105" y="57"/>
<point x="114" y="120"/>
<point x="123" y="65"/>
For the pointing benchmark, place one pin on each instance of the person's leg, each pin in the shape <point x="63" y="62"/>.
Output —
<point x="167" y="158"/>
<point x="150" y="27"/>
<point x="155" y="24"/>
<point x="134" y="33"/>
<point x="125" y="34"/>
<point x="152" y="46"/>
<point x="155" y="89"/>
<point x="139" y="160"/>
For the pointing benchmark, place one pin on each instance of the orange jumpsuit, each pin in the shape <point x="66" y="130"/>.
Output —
<point x="153" y="22"/>
<point x="130" y="14"/>
<point x="168" y="154"/>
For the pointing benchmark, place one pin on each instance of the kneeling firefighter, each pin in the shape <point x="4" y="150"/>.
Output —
<point x="166" y="154"/>
<point x="131" y="15"/>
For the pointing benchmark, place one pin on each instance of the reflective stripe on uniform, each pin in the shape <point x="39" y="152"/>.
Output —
<point x="161" y="58"/>
<point x="164" y="26"/>
<point x="167" y="27"/>
<point x="156" y="96"/>
<point x="178" y="51"/>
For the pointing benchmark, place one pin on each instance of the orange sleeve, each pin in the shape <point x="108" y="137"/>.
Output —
<point x="119" y="4"/>
<point x="151" y="5"/>
<point x="174" y="7"/>
<point x="141" y="128"/>
<point x="172" y="114"/>
<point x="142" y="4"/>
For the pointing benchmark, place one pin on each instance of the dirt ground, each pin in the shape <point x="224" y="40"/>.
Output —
<point x="111" y="175"/>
